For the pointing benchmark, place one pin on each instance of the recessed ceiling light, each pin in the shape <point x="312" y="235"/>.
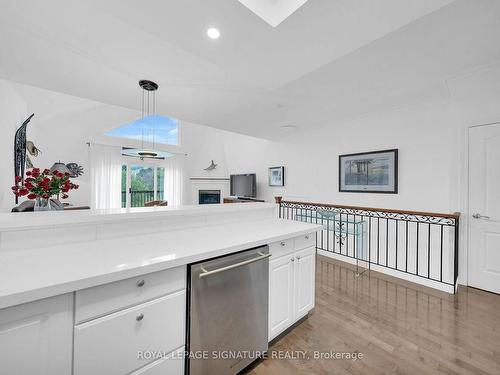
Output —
<point x="213" y="33"/>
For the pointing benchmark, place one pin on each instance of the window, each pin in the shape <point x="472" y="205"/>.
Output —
<point x="144" y="183"/>
<point x="153" y="129"/>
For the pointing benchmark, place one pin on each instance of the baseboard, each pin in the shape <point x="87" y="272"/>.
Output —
<point x="400" y="275"/>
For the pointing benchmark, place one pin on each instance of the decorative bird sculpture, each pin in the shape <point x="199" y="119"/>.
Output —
<point x="211" y="167"/>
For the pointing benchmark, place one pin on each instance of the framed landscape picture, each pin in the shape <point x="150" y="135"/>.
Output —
<point x="277" y="176"/>
<point x="369" y="172"/>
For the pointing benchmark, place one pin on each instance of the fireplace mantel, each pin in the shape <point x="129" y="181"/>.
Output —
<point x="208" y="183"/>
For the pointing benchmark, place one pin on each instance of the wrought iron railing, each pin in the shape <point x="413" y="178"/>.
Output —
<point x="139" y="197"/>
<point x="423" y="244"/>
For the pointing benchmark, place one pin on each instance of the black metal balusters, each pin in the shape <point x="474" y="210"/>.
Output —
<point x="441" y="249"/>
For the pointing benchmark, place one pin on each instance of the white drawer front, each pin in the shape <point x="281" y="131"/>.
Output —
<point x="166" y="366"/>
<point x="305" y="241"/>
<point x="280" y="248"/>
<point x="104" y="299"/>
<point x="110" y="345"/>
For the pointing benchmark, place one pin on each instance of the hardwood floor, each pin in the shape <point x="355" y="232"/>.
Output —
<point x="399" y="327"/>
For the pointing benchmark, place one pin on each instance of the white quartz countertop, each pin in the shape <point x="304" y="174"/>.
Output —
<point x="32" y="220"/>
<point x="27" y="275"/>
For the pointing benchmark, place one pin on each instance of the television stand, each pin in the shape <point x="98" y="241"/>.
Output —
<point x="240" y="200"/>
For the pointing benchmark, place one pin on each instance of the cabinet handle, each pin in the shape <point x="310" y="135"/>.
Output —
<point x="307" y="237"/>
<point x="298" y="257"/>
<point x="282" y="243"/>
<point x="139" y="317"/>
<point x="293" y="260"/>
<point x="140" y="283"/>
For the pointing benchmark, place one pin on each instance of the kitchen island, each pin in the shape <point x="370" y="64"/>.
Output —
<point x="72" y="284"/>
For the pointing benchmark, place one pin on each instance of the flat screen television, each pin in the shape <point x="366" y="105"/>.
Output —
<point x="244" y="185"/>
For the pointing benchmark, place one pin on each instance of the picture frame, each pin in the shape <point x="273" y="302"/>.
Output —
<point x="276" y="176"/>
<point x="369" y="172"/>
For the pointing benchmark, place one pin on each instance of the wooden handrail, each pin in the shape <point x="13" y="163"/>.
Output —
<point x="455" y="215"/>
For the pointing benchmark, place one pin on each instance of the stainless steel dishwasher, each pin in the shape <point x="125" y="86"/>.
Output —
<point x="227" y="312"/>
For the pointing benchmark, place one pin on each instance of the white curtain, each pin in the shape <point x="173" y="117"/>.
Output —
<point x="174" y="180"/>
<point x="106" y="170"/>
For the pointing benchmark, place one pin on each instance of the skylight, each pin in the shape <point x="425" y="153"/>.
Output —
<point x="154" y="128"/>
<point x="273" y="11"/>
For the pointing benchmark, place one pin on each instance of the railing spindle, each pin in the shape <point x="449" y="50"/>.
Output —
<point x="429" y="252"/>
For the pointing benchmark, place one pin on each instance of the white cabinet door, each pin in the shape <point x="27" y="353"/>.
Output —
<point x="36" y="337"/>
<point x="305" y="264"/>
<point x="280" y="294"/>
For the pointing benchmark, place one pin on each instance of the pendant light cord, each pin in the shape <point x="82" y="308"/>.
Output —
<point x="154" y="111"/>
<point x="142" y="118"/>
<point x="148" y="108"/>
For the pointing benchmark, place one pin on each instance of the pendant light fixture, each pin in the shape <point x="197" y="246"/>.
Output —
<point x="148" y="106"/>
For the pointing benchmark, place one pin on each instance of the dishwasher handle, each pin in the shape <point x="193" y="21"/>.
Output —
<point x="222" y="269"/>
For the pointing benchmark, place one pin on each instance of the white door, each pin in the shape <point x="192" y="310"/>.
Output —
<point x="304" y="281"/>
<point x="484" y="208"/>
<point x="37" y="337"/>
<point x="280" y="294"/>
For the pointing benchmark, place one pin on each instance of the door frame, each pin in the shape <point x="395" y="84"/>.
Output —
<point x="465" y="219"/>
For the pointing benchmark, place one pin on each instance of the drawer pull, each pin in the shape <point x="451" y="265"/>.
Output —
<point x="140" y="283"/>
<point x="298" y="257"/>
<point x="293" y="260"/>
<point x="282" y="243"/>
<point x="307" y="236"/>
<point x="139" y="317"/>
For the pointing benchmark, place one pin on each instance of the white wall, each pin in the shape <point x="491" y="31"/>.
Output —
<point x="424" y="135"/>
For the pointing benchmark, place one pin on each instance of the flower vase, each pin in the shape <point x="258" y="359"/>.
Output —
<point x="42" y="204"/>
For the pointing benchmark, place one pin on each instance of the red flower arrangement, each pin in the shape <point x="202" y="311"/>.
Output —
<point x="43" y="184"/>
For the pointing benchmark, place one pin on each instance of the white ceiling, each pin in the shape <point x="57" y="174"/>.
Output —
<point x="328" y="61"/>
